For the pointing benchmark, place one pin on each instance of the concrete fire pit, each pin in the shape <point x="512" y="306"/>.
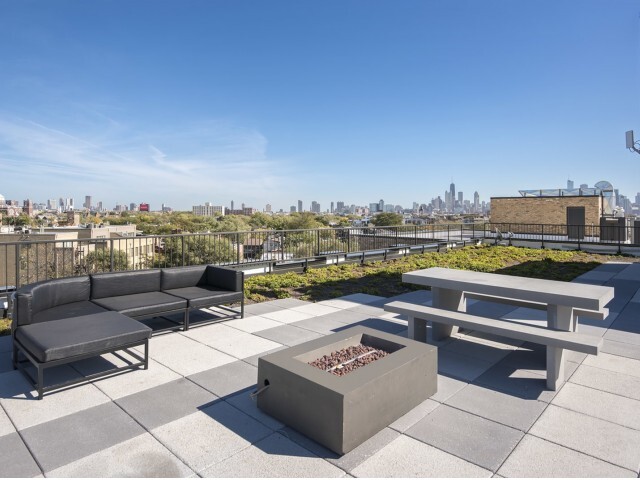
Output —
<point x="341" y="412"/>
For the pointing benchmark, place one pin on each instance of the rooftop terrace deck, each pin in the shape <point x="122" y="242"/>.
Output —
<point x="190" y="414"/>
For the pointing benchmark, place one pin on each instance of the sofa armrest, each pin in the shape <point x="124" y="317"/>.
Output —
<point x="22" y="309"/>
<point x="226" y="278"/>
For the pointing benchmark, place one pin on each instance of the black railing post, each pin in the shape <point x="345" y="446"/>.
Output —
<point x="18" y="253"/>
<point x="542" y="230"/>
<point x="448" y="227"/>
<point x="111" y="256"/>
<point x="237" y="249"/>
<point x="620" y="232"/>
<point x="318" y="242"/>
<point x="184" y="253"/>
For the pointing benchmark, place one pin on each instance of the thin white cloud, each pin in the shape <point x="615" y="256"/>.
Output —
<point x="212" y="162"/>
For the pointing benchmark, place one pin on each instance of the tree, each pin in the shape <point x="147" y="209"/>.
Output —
<point x="387" y="219"/>
<point x="196" y="250"/>
<point x="100" y="260"/>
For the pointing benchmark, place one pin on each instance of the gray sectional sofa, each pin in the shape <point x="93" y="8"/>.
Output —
<point x="64" y="320"/>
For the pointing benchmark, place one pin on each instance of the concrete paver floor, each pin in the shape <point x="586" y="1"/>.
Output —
<point x="190" y="414"/>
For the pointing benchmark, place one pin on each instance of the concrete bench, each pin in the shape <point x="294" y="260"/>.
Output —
<point x="577" y="312"/>
<point x="556" y="341"/>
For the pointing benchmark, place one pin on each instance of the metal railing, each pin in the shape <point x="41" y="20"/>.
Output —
<point x="28" y="259"/>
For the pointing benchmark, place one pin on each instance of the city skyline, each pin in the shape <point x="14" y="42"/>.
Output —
<point x="276" y="101"/>
<point x="437" y="204"/>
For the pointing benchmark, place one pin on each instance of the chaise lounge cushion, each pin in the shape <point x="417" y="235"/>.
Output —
<point x="142" y="304"/>
<point x="69" y="337"/>
<point x="205" y="295"/>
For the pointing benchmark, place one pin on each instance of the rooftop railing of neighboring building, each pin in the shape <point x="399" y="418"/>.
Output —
<point x="30" y="260"/>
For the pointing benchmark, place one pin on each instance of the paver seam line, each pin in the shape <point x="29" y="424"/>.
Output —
<point x="152" y="435"/>
<point x="593" y="456"/>
<point x="220" y="351"/>
<point x="593" y="416"/>
<point x="23" y="440"/>
<point x="599" y="389"/>
<point x="583" y="453"/>
<point x="286" y="435"/>
<point x="283" y="434"/>
<point x="450" y="453"/>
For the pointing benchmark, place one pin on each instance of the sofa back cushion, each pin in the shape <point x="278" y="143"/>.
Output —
<point x="182" y="277"/>
<point x="37" y="297"/>
<point x="105" y="285"/>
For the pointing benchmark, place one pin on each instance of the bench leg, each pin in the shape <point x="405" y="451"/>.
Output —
<point x="446" y="299"/>
<point x="555" y="367"/>
<point x="560" y="318"/>
<point x="417" y="329"/>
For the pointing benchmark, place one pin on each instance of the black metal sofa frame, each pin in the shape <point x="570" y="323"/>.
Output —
<point x="65" y="320"/>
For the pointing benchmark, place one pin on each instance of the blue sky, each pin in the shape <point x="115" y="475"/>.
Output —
<point x="184" y="102"/>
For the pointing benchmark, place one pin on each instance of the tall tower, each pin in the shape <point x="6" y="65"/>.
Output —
<point x="452" y="196"/>
<point x="87" y="202"/>
<point x="570" y="184"/>
<point x="476" y="202"/>
<point x="299" y="206"/>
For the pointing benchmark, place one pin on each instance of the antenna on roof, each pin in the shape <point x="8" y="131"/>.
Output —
<point x="631" y="144"/>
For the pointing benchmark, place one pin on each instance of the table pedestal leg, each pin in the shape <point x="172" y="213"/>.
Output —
<point x="560" y="318"/>
<point x="446" y="299"/>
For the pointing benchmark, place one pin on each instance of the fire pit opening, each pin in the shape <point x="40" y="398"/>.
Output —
<point x="348" y="355"/>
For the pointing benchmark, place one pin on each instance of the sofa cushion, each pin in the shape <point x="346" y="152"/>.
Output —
<point x="105" y="285"/>
<point x="204" y="296"/>
<point x="41" y="296"/>
<point x="76" y="309"/>
<point x="181" y="277"/>
<point x="142" y="304"/>
<point x="87" y="334"/>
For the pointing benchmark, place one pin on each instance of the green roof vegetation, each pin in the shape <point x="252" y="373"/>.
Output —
<point x="384" y="278"/>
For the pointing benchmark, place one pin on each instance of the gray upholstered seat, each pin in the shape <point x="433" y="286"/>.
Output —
<point x="70" y="337"/>
<point x="205" y="295"/>
<point x="142" y="304"/>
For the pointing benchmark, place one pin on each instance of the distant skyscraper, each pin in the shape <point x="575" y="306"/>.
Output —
<point x="476" y="202"/>
<point x="315" y="207"/>
<point x="381" y="205"/>
<point x="292" y="209"/>
<point x="87" y="202"/>
<point x="267" y="208"/>
<point x="340" y="206"/>
<point x="331" y="207"/>
<point x="231" y="204"/>
<point x="452" y="196"/>
<point x="570" y="184"/>
<point x="460" y="198"/>
<point x="638" y="198"/>
<point x="299" y="206"/>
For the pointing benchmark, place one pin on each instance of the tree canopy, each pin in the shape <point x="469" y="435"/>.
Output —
<point x="387" y="219"/>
